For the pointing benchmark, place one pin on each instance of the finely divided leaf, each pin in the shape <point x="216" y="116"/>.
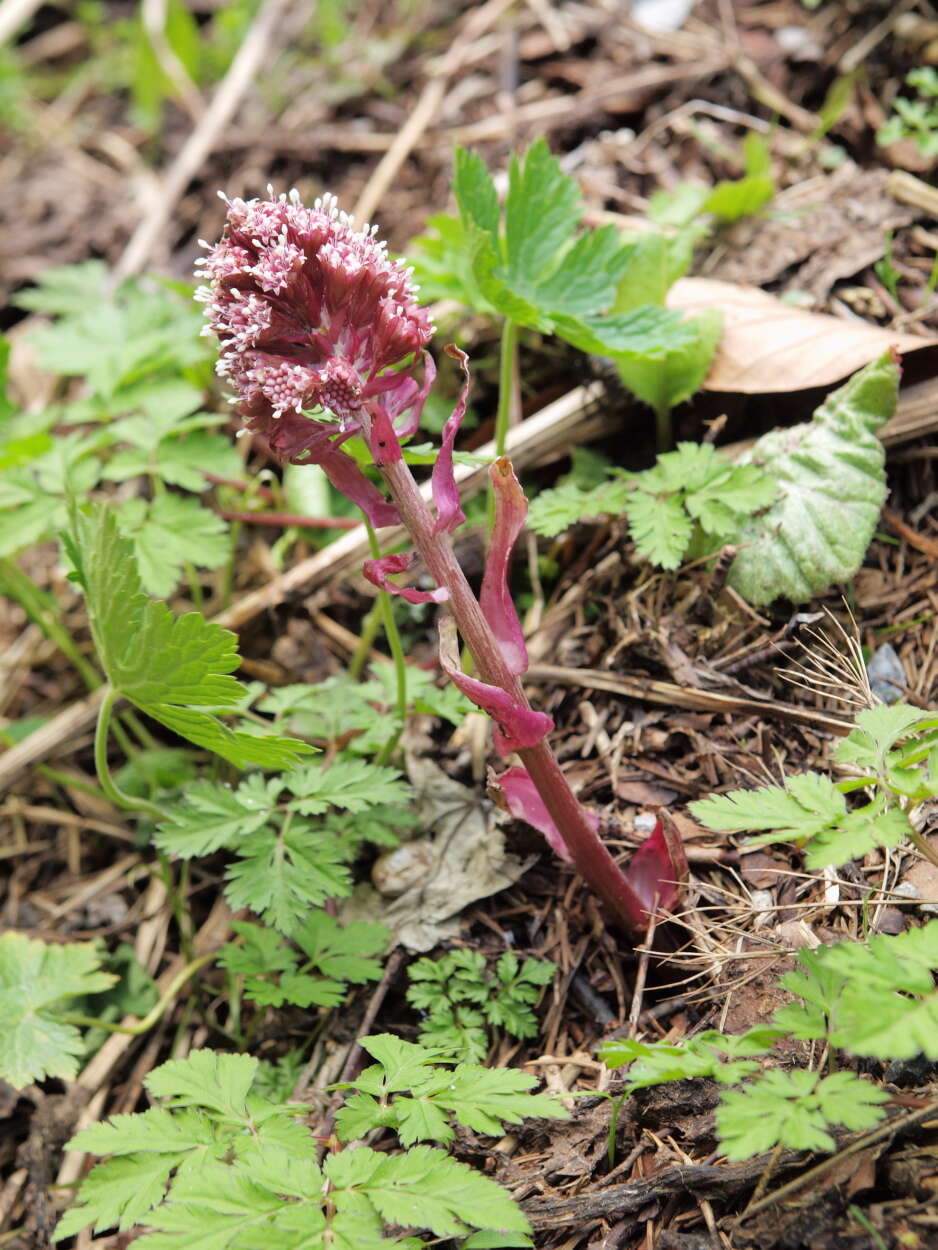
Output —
<point x="212" y="816"/>
<point x="119" y="1193"/>
<point x="876" y="732"/>
<point x="35" y="978"/>
<point x="353" y="785"/>
<point x="553" y="511"/>
<point x="655" y="1062"/>
<point x="282" y="875"/>
<point x="809" y="803"/>
<point x="858" y="833"/>
<point x="206" y="1078"/>
<point x="795" y="1110"/>
<point x="342" y="951"/>
<point x="660" y="527"/>
<point x="423" y="1188"/>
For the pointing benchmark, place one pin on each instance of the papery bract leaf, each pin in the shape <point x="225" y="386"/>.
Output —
<point x="409" y="399"/>
<point x="347" y="477"/>
<point x="516" y="726"/>
<point x="525" y="803"/>
<point x="658" y="867"/>
<point x="511" y="510"/>
<point x="449" y="513"/>
<point x="379" y="571"/>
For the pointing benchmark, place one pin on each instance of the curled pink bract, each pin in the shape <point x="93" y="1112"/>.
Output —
<point x="449" y="513"/>
<point x="658" y="868"/>
<point x="379" y="571"/>
<point x="524" y="803"/>
<point x="516" y="726"/>
<point x="511" y="510"/>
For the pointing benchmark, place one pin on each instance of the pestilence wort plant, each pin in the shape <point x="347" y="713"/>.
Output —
<point x="321" y="340"/>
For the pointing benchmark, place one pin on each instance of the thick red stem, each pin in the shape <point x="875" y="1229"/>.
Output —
<point x="589" y="854"/>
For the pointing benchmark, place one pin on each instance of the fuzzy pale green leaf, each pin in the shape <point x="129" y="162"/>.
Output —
<point x="832" y="484"/>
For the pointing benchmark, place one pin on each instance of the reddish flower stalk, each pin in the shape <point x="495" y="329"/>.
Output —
<point x="320" y="334"/>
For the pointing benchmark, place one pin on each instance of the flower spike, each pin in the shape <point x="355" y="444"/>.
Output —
<point x="311" y="313"/>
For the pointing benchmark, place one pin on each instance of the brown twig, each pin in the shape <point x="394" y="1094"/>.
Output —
<point x="194" y="152"/>
<point x="427" y="107"/>
<point x="285" y="519"/>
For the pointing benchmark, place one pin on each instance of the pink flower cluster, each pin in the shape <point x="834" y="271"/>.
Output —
<point x="314" y="322"/>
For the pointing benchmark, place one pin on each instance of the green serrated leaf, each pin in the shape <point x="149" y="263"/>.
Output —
<point x="170" y="667"/>
<point x="660" y="527"/>
<point x="423" y="1188"/>
<point x="206" y="1078"/>
<point x="170" y="532"/>
<point x="876" y="732"/>
<point x="857" y="834"/>
<point x="119" y="1194"/>
<point x="831" y="479"/>
<point x="795" y="1110"/>
<point x="542" y="209"/>
<point x="475" y="191"/>
<point x="35" y="979"/>
<point x="809" y="803"/>
<point x="672" y="379"/>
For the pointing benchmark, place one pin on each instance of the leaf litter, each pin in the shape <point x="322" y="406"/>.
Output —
<point x="607" y="611"/>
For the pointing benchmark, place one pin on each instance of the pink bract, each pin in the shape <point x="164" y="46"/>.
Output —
<point x="379" y="571"/>
<point x="449" y="513"/>
<point x="516" y="726"/>
<point x="524" y="803"/>
<point x="511" y="510"/>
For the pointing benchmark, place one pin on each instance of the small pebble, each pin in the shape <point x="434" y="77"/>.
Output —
<point x="401" y="869"/>
<point x="887" y="676"/>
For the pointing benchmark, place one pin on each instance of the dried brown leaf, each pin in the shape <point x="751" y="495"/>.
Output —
<point x="771" y="346"/>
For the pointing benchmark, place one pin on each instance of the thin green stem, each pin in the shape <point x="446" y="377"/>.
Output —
<point x="370" y="627"/>
<point x="148" y="1021"/>
<point x="108" y="785"/>
<point x="664" y="429"/>
<point x="507" y="397"/>
<point x="397" y="653"/>
<point x="44" y="611"/>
